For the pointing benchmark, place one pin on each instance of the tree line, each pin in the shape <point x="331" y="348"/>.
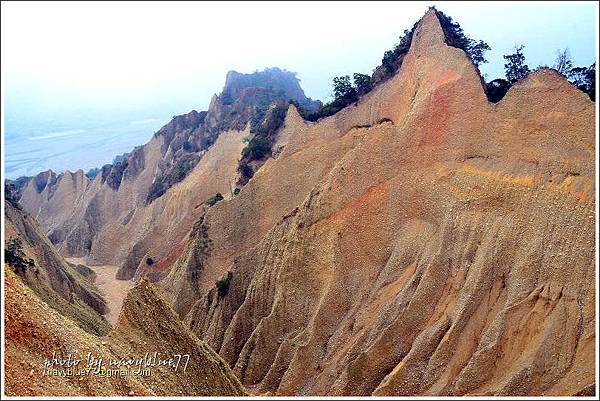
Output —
<point x="515" y="69"/>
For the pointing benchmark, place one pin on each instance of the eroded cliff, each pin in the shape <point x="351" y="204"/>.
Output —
<point x="423" y="241"/>
<point x="67" y="288"/>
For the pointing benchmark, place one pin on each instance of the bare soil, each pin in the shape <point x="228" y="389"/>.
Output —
<point x="113" y="290"/>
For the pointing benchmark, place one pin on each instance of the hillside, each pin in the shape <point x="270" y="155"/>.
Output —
<point x="67" y="288"/>
<point x="33" y="331"/>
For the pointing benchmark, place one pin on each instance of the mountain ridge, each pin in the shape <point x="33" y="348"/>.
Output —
<point x="78" y="220"/>
<point x="423" y="186"/>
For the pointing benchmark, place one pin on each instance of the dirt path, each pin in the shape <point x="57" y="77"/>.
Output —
<point x="113" y="290"/>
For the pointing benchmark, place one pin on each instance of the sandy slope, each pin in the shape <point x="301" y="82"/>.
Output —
<point x="34" y="331"/>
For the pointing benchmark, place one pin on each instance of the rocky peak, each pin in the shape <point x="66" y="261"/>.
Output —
<point x="428" y="33"/>
<point x="273" y="79"/>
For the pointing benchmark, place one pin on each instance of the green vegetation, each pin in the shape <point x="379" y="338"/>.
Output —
<point x="213" y="200"/>
<point x="188" y="146"/>
<point x="348" y="89"/>
<point x="202" y="252"/>
<point x="584" y="78"/>
<point x="181" y="169"/>
<point x="264" y="124"/>
<point x="149" y="261"/>
<point x="227" y="99"/>
<point x="515" y="67"/>
<point x="563" y="63"/>
<point x="92" y="173"/>
<point x="156" y="190"/>
<point x="257" y="148"/>
<point x="456" y="37"/>
<point x="171" y="176"/>
<point x="346" y="92"/>
<point x="258" y="115"/>
<point x="113" y="174"/>
<point x="514" y="70"/>
<point x="245" y="170"/>
<point x="223" y="285"/>
<point x="16" y="258"/>
<point x="496" y="89"/>
<point x="392" y="59"/>
<point x="11" y="194"/>
<point x="273" y="120"/>
<point x="363" y="83"/>
<point x="236" y="191"/>
<point x="343" y="89"/>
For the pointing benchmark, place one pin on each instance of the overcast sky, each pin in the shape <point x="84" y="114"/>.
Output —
<point x="119" y="57"/>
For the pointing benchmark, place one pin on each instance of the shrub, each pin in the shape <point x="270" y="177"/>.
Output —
<point x="92" y="173"/>
<point x="236" y="191"/>
<point x="227" y="99"/>
<point x="113" y="174"/>
<point x="181" y="169"/>
<point x="515" y="67"/>
<point x="390" y="57"/>
<point x="245" y="169"/>
<point x="273" y="120"/>
<point x="149" y="261"/>
<point x="223" y="285"/>
<point x="188" y="147"/>
<point x="456" y="37"/>
<point x="585" y="79"/>
<point x="11" y="194"/>
<point x="362" y="83"/>
<point x="257" y="118"/>
<point x="212" y="201"/>
<point x="496" y="89"/>
<point x="343" y="89"/>
<point x="16" y="258"/>
<point x="156" y="190"/>
<point x="257" y="148"/>
<point x="176" y="173"/>
<point x="309" y="115"/>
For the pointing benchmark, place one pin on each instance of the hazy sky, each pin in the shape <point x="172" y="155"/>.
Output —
<point x="119" y="55"/>
<point x="119" y="61"/>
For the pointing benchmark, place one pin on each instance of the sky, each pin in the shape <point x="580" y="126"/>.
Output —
<point x="70" y="68"/>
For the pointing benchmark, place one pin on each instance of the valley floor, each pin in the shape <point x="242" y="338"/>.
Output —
<point x="113" y="290"/>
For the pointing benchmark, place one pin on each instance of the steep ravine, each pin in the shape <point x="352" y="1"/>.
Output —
<point x="154" y="195"/>
<point x="53" y="310"/>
